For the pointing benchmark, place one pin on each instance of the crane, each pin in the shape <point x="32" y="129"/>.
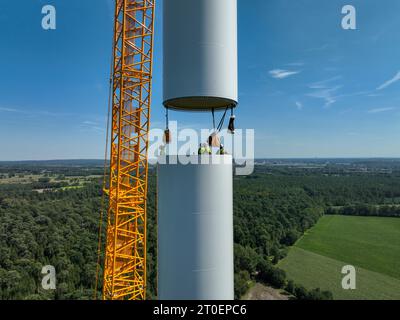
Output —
<point x="124" y="276"/>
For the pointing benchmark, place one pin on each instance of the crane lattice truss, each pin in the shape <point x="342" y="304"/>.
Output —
<point x="125" y="255"/>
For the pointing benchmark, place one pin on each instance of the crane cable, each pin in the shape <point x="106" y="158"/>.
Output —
<point x="102" y="208"/>
<point x="213" y="117"/>
<point x="99" y="246"/>
<point x="166" y="118"/>
<point x="221" y="122"/>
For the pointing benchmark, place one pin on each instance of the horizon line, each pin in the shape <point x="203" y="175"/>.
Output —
<point x="255" y="159"/>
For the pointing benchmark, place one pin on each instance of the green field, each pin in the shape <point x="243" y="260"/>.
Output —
<point x="370" y="244"/>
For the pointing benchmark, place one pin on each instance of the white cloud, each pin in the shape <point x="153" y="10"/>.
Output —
<point x="325" y="94"/>
<point x="282" y="74"/>
<point x="380" y="110"/>
<point x="35" y="112"/>
<point x="90" y="123"/>
<point x="299" y="105"/>
<point x="324" y="83"/>
<point x="92" y="126"/>
<point x="326" y="90"/>
<point x="390" y="82"/>
<point x="10" y="110"/>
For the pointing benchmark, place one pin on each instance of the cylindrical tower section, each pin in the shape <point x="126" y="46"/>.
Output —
<point x="195" y="231"/>
<point x="200" y="54"/>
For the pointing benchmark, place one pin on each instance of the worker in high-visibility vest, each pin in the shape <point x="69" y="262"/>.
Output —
<point x="221" y="150"/>
<point x="208" y="148"/>
<point x="204" y="149"/>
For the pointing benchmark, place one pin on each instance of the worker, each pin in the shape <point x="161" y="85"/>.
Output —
<point x="221" y="150"/>
<point x="202" y="149"/>
<point x="208" y="149"/>
<point x="205" y="149"/>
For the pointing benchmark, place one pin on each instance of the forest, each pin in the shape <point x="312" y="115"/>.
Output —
<point x="49" y="215"/>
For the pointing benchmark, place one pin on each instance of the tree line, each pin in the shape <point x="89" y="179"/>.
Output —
<point x="272" y="209"/>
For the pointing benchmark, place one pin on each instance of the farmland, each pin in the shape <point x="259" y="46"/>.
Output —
<point x="368" y="243"/>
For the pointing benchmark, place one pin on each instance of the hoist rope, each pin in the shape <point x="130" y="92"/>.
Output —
<point x="102" y="206"/>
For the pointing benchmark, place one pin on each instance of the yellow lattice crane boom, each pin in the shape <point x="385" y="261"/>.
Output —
<point x="125" y="250"/>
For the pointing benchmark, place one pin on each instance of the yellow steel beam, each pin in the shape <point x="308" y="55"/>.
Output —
<point x="125" y="254"/>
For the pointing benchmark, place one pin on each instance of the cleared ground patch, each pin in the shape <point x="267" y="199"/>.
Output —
<point x="262" y="292"/>
<point x="370" y="244"/>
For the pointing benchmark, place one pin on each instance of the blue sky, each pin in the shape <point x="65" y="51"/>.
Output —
<point x="308" y="87"/>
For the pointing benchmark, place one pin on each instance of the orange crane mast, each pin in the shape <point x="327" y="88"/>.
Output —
<point x="125" y="249"/>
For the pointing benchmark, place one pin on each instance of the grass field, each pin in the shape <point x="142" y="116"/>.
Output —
<point x="370" y="244"/>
